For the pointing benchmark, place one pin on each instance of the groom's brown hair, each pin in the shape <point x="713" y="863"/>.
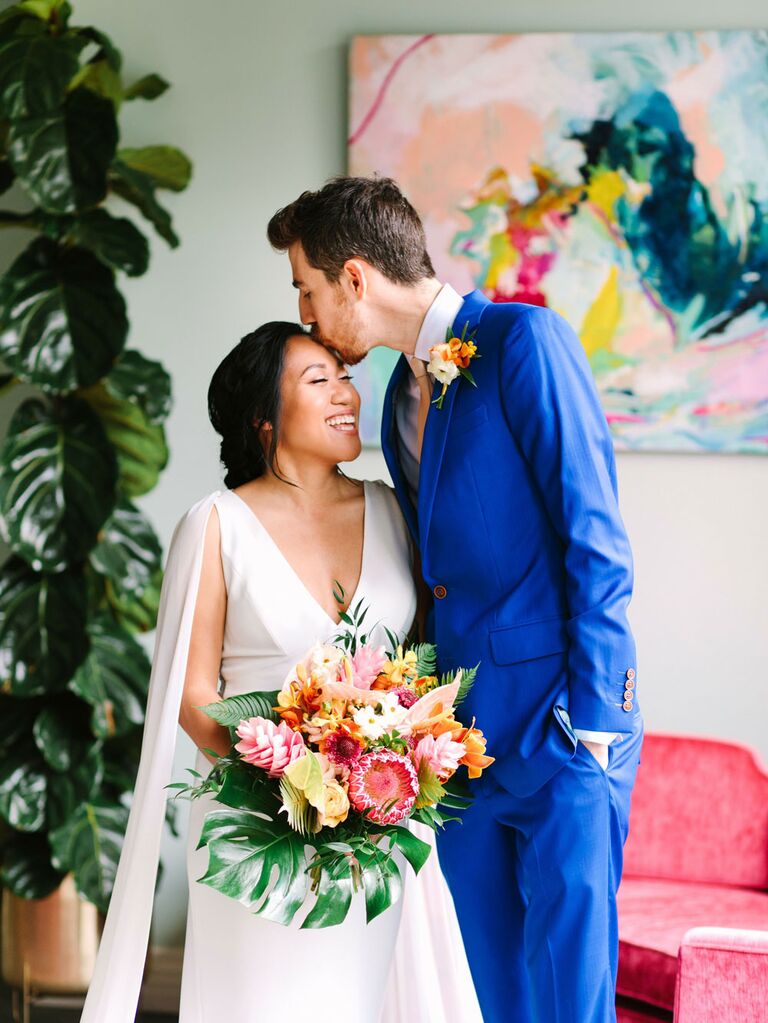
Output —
<point x="349" y="218"/>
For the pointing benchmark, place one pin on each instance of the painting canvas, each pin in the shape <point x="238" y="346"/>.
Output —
<point x="620" y="179"/>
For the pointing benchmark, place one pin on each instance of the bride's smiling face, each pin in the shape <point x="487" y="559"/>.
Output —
<point x="319" y="407"/>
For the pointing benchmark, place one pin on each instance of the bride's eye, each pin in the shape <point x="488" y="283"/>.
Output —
<point x="320" y="380"/>
<point x="347" y="376"/>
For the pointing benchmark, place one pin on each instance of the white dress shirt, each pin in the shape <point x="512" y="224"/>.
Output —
<point x="439" y="317"/>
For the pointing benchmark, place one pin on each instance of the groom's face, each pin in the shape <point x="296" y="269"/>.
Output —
<point x="324" y="305"/>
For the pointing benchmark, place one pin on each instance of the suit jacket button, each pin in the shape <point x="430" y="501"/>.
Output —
<point x="440" y="592"/>
<point x="629" y="684"/>
<point x="630" y="673"/>
<point x="628" y="705"/>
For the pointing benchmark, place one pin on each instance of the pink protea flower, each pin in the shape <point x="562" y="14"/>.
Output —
<point x="367" y="664"/>
<point x="385" y="784"/>
<point x="442" y="754"/>
<point x="406" y="697"/>
<point x="269" y="746"/>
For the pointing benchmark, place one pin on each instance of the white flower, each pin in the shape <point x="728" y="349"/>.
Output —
<point x="444" y="371"/>
<point x="391" y="711"/>
<point x="369" y="722"/>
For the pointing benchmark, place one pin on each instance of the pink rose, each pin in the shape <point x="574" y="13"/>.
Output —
<point x="269" y="746"/>
<point x="367" y="664"/>
<point x="442" y="754"/>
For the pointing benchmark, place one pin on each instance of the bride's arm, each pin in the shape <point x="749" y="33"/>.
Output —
<point x="206" y="641"/>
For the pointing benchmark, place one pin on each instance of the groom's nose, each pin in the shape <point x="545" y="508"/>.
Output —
<point x="305" y="311"/>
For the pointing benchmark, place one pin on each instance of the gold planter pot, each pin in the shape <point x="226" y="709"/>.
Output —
<point x="49" y="945"/>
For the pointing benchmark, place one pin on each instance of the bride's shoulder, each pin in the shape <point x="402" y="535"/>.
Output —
<point x="197" y="514"/>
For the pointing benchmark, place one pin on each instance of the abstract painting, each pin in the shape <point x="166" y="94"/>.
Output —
<point x="620" y="179"/>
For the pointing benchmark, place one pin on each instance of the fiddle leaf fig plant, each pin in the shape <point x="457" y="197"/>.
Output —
<point x="83" y="570"/>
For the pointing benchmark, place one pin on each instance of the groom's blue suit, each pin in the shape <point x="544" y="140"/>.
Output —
<point x="523" y="546"/>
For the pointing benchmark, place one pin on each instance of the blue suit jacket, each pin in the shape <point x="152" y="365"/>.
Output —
<point x="518" y="523"/>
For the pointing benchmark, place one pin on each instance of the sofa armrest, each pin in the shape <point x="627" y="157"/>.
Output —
<point x="722" y="976"/>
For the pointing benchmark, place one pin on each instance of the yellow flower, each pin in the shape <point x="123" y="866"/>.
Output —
<point x="335" y="806"/>
<point x="402" y="669"/>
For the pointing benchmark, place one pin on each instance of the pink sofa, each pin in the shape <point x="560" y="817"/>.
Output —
<point x="693" y="902"/>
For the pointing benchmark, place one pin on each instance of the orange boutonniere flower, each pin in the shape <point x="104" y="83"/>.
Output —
<point x="451" y="359"/>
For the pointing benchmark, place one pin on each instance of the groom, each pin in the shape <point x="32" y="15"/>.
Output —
<point x="509" y="489"/>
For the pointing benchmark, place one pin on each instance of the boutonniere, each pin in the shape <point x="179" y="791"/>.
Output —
<point x="451" y="359"/>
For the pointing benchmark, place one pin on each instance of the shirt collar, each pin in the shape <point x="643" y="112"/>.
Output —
<point x="440" y="316"/>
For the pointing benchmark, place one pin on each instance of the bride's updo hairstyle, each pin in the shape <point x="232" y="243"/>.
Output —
<point x="243" y="395"/>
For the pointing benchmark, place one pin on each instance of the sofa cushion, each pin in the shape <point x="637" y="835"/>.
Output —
<point x="653" y="917"/>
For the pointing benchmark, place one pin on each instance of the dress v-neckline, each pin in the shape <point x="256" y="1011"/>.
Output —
<point x="302" y="585"/>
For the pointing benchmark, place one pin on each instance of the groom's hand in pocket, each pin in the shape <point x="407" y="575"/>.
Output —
<point x="599" y="751"/>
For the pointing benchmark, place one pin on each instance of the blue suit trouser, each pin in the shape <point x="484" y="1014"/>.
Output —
<point x="534" y="881"/>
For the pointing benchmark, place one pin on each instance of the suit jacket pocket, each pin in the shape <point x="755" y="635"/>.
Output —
<point x="512" y="644"/>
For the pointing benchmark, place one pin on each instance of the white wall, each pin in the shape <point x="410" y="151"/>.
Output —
<point x="259" y="103"/>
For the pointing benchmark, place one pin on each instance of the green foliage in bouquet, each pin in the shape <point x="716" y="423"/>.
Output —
<point x="270" y="847"/>
<point x="84" y="570"/>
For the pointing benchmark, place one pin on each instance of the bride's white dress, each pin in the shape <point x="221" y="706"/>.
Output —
<point x="408" y="966"/>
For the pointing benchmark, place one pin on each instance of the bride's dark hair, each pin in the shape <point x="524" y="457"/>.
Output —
<point x="244" y="393"/>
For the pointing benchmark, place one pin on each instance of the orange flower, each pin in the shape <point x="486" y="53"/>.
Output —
<point x="474" y="759"/>
<point x="460" y="352"/>
<point x="299" y="700"/>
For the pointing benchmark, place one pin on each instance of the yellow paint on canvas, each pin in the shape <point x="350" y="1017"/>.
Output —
<point x="604" y="190"/>
<point x="602" y="319"/>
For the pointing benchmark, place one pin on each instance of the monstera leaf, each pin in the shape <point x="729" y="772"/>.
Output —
<point x="114" y="240"/>
<point x="35" y="70"/>
<point x="67" y="791"/>
<point x="42" y="628"/>
<point x="26" y="867"/>
<point x="128" y="553"/>
<point x="142" y="381"/>
<point x="62" y="157"/>
<point x="113" y="678"/>
<point x="16" y="718"/>
<point x="23" y="788"/>
<point x="382" y="881"/>
<point x="260" y="863"/>
<point x="62" y="320"/>
<point x="141" y="449"/>
<point x="89" y="845"/>
<point x="57" y="483"/>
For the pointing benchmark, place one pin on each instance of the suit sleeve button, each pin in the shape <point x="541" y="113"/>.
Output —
<point x="440" y="592"/>
<point x="628" y="705"/>
<point x="629" y="684"/>
<point x="630" y="673"/>
<point x="628" y="695"/>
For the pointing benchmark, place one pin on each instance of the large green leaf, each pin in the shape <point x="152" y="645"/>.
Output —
<point x="139" y="614"/>
<point x="105" y="48"/>
<point x="116" y="241"/>
<point x="234" y="709"/>
<point x="413" y="849"/>
<point x="128" y="552"/>
<point x="166" y="166"/>
<point x="121" y="761"/>
<point x="334" y="895"/>
<point x="100" y="77"/>
<point x="26" y="867"/>
<point x="83" y="784"/>
<point x="62" y="320"/>
<point x="89" y="845"/>
<point x="61" y="732"/>
<point x="143" y="381"/>
<point x="57" y="482"/>
<point x="257" y="862"/>
<point x="61" y="158"/>
<point x="16" y="719"/>
<point x="23" y="788"/>
<point x="148" y="87"/>
<point x="382" y="881"/>
<point x="113" y="678"/>
<point x="35" y="70"/>
<point x="42" y="628"/>
<point x="138" y="189"/>
<point x="142" y="453"/>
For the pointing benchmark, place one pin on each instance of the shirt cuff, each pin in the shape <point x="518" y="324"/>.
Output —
<point x="604" y="737"/>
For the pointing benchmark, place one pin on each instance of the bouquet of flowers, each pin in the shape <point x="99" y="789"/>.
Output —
<point x="317" y="791"/>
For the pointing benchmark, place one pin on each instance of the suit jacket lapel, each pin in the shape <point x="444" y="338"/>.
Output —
<point x="438" y="421"/>
<point x="389" y="445"/>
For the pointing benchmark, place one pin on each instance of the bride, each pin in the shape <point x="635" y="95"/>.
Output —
<point x="248" y="588"/>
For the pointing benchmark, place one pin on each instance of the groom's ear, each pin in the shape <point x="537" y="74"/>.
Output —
<point x="356" y="277"/>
